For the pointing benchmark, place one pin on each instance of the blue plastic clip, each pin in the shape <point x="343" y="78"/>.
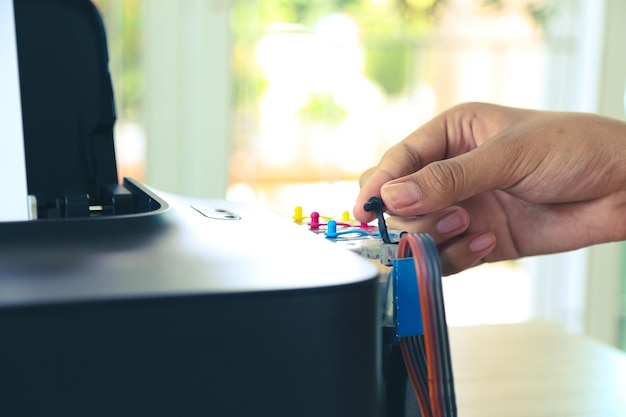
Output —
<point x="408" y="311"/>
<point x="331" y="230"/>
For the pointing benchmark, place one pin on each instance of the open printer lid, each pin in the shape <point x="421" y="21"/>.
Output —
<point x="68" y="108"/>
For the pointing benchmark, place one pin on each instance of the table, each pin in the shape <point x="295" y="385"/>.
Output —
<point x="535" y="369"/>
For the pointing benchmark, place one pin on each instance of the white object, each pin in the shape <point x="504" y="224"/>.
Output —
<point x="13" y="185"/>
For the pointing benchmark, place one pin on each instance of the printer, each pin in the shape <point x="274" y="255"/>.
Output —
<point x="119" y="300"/>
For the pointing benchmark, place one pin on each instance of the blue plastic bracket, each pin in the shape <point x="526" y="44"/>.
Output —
<point x="408" y="312"/>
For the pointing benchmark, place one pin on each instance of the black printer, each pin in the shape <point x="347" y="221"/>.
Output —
<point x="119" y="300"/>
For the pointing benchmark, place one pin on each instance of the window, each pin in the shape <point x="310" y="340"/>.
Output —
<point x="323" y="88"/>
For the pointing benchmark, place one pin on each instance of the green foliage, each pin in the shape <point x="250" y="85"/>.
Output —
<point x="389" y="66"/>
<point x="494" y="4"/>
<point x="390" y="31"/>
<point x="323" y="109"/>
<point x="541" y="12"/>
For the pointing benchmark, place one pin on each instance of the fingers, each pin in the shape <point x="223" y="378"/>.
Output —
<point x="442" y="163"/>
<point x="466" y="252"/>
<point x="446" y="182"/>
<point x="371" y="181"/>
<point x="441" y="226"/>
<point x="426" y="144"/>
<point x="457" y="251"/>
<point x="391" y="167"/>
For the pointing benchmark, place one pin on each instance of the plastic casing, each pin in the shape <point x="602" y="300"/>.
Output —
<point x="180" y="314"/>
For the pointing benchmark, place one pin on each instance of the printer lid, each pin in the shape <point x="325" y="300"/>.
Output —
<point x="68" y="107"/>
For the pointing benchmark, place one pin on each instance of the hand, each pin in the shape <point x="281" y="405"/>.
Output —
<point x="491" y="183"/>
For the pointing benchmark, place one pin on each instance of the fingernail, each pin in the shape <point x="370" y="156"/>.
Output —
<point x="400" y="195"/>
<point x="450" y="223"/>
<point x="482" y="242"/>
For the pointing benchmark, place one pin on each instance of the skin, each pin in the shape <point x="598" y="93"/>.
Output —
<point x="491" y="183"/>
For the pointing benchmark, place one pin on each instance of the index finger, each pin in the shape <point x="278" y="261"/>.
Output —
<point x="425" y="145"/>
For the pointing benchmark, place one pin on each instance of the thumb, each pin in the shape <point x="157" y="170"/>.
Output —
<point x="443" y="183"/>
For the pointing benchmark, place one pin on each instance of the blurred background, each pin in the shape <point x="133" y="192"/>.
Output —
<point x="285" y="102"/>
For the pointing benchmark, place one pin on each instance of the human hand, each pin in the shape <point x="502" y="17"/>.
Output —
<point x="491" y="183"/>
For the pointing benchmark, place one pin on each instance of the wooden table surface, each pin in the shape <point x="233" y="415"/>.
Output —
<point x="535" y="369"/>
